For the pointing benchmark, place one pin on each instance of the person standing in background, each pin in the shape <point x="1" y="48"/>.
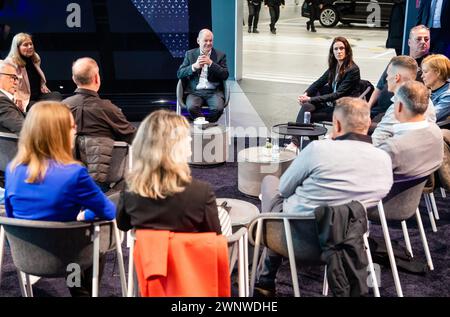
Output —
<point x="254" y="6"/>
<point x="435" y="14"/>
<point x="314" y="9"/>
<point x="274" y="11"/>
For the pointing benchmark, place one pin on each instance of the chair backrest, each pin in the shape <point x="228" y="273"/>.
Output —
<point x="181" y="264"/>
<point x="365" y="89"/>
<point x="443" y="172"/>
<point x="119" y="162"/>
<point x="305" y="236"/>
<point x="8" y="148"/>
<point x="402" y="200"/>
<point x="45" y="248"/>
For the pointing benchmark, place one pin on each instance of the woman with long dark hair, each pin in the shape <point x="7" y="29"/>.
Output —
<point x="341" y="79"/>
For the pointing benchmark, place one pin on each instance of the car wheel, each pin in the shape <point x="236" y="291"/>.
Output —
<point x="329" y="17"/>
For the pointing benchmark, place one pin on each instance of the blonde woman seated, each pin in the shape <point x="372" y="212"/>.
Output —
<point x="436" y="76"/>
<point x="44" y="182"/>
<point x="161" y="192"/>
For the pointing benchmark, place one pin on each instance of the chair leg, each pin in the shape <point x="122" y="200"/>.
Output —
<point x="325" y="283"/>
<point x="424" y="240"/>
<point x="228" y="122"/>
<point x="290" y="246"/>
<point x="119" y="252"/>
<point x="241" y="268"/>
<point x="96" y="259"/>
<point x="255" y="256"/>
<point x="387" y="240"/>
<point x="233" y="252"/>
<point x="22" y="283"/>
<point x="178" y="108"/>
<point x="406" y="236"/>
<point x="430" y="213"/>
<point x="2" y="248"/>
<point x="433" y="204"/>
<point x="443" y="194"/>
<point x="246" y="277"/>
<point x="376" y="290"/>
<point x="131" y="279"/>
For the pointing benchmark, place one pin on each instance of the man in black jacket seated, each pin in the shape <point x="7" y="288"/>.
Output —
<point x="203" y="70"/>
<point x="11" y="116"/>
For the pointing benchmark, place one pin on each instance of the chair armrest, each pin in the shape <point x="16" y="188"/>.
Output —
<point x="237" y="235"/>
<point x="226" y="92"/>
<point x="180" y="94"/>
<point x="444" y="124"/>
<point x="120" y="144"/>
<point x="272" y="216"/>
<point x="7" y="135"/>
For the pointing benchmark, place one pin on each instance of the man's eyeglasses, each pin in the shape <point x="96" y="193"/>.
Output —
<point x="13" y="76"/>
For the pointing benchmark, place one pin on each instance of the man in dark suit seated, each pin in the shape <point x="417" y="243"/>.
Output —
<point x="11" y="117"/>
<point x="204" y="69"/>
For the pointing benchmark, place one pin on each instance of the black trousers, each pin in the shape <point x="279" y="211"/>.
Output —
<point x="274" y="12"/>
<point x="313" y="10"/>
<point x="51" y="96"/>
<point x="319" y="112"/>
<point x="214" y="99"/>
<point x="253" y="15"/>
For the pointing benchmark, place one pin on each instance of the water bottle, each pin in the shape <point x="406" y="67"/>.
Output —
<point x="307" y="117"/>
<point x="275" y="150"/>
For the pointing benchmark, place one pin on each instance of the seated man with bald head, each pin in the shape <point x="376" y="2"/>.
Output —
<point x="417" y="147"/>
<point x="99" y="122"/>
<point x="95" y="116"/>
<point x="203" y="71"/>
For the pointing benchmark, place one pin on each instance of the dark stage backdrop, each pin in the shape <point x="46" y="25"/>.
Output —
<point x="139" y="44"/>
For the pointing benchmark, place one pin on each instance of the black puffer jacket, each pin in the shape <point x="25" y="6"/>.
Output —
<point x="96" y="154"/>
<point x="341" y="230"/>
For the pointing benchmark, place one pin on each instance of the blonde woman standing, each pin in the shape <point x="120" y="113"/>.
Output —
<point x="161" y="192"/>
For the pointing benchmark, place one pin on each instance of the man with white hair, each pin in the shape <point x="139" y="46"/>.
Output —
<point x="203" y="71"/>
<point x="400" y="70"/>
<point x="11" y="116"/>
<point x="416" y="149"/>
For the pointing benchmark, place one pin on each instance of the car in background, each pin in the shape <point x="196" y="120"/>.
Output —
<point x="350" y="11"/>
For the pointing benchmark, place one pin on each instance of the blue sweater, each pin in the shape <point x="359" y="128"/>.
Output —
<point x="441" y="101"/>
<point x="65" y="190"/>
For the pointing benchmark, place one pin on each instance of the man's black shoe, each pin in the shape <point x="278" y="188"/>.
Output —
<point x="273" y="31"/>
<point x="308" y="25"/>
<point x="255" y="31"/>
<point x="249" y="29"/>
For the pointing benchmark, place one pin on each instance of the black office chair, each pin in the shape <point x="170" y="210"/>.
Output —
<point x="47" y="248"/>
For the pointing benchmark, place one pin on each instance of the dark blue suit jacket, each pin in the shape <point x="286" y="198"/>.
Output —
<point x="217" y="72"/>
<point x="424" y="12"/>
